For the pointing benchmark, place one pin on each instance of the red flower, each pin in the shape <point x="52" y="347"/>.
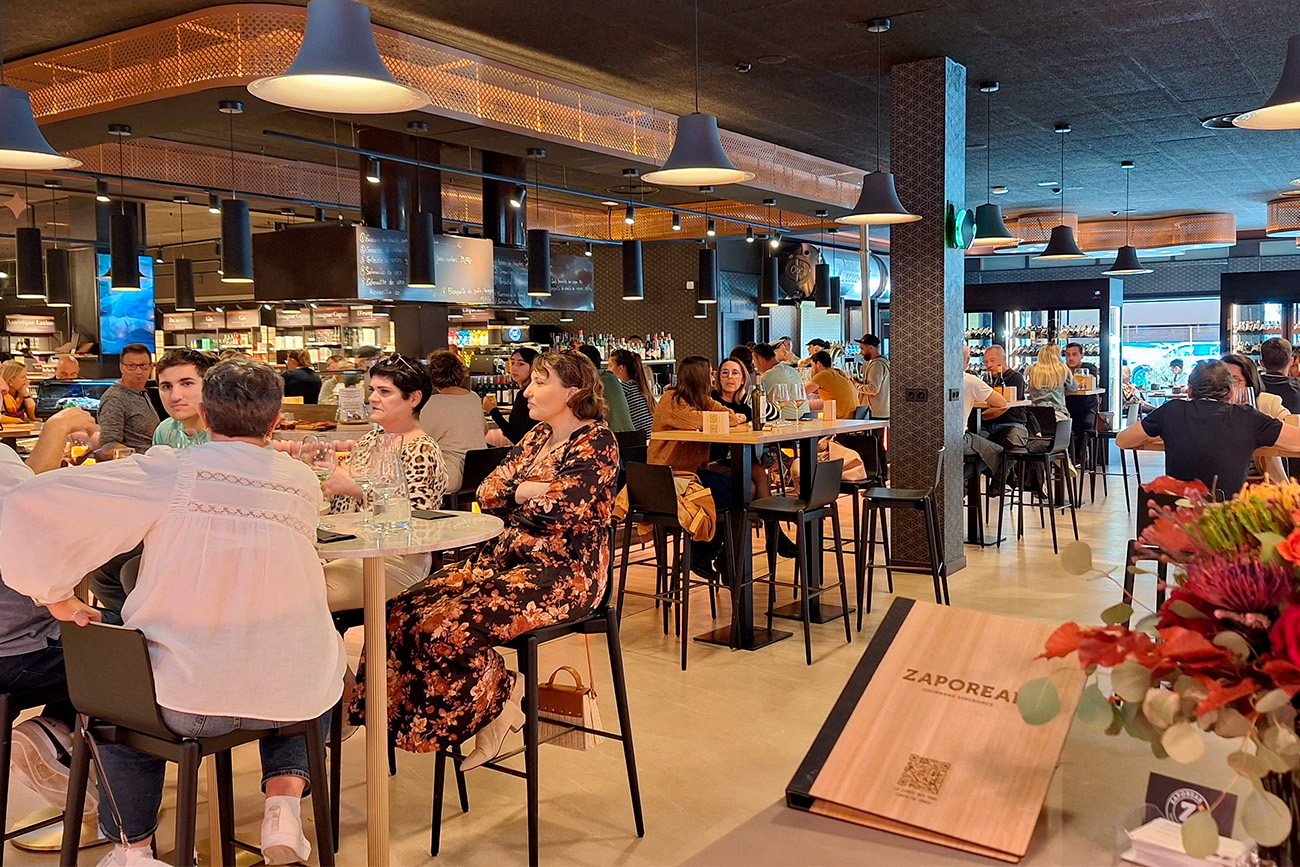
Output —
<point x="1194" y="490"/>
<point x="1289" y="547"/>
<point x="1190" y="650"/>
<point x="1221" y="695"/>
<point x="1204" y="625"/>
<point x="1285" y="635"/>
<point x="1284" y="674"/>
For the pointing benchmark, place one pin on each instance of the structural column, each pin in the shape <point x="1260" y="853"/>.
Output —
<point x="927" y="153"/>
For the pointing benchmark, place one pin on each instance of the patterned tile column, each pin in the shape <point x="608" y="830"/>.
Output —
<point x="927" y="154"/>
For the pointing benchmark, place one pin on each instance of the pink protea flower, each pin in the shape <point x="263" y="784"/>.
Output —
<point x="1242" y="586"/>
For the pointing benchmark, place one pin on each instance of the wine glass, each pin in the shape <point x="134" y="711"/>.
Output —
<point x="783" y="397"/>
<point x="318" y="454"/>
<point x="361" y="466"/>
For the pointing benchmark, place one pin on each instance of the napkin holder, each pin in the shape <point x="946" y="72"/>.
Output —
<point x="828" y="410"/>
<point x="717" y="423"/>
<point x="1010" y="392"/>
<point x="1086" y="381"/>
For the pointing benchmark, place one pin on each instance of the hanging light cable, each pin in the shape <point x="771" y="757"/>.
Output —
<point x="821" y="293"/>
<point x="1061" y="244"/>
<point x="539" y="240"/>
<point x="420" y="232"/>
<point x="1126" y="260"/>
<point x="236" y="227"/>
<point x="878" y="205"/>
<point x="58" y="265"/>
<point x="990" y="229"/>
<point x="124" y="268"/>
<point x="182" y="265"/>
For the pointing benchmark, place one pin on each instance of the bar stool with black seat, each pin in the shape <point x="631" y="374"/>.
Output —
<point x="478" y="464"/>
<point x="110" y="682"/>
<point x="652" y="499"/>
<point x="1137" y="551"/>
<point x="870" y="449"/>
<point x="880" y="501"/>
<point x="11" y="705"/>
<point x="809" y="518"/>
<point x="604" y="619"/>
<point x="1055" y="457"/>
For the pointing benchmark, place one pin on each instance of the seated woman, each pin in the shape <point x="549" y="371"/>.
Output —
<point x="627" y="366"/>
<point x="19" y="402"/>
<point x="555" y="491"/>
<point x="1050" y="381"/>
<point x="399" y="388"/>
<point x="1245" y="375"/>
<point x="452" y="415"/>
<point x="520" y="422"/>
<point x="230" y="593"/>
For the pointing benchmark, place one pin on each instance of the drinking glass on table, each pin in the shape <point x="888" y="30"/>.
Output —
<point x="76" y="447"/>
<point x="318" y="454"/>
<point x="784" y="398"/>
<point x="361" y="468"/>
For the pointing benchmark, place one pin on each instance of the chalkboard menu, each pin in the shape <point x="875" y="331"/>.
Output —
<point x="382" y="264"/>
<point x="462" y="267"/>
<point x="178" y="321"/>
<point x="293" y="318"/>
<point x="572" y="282"/>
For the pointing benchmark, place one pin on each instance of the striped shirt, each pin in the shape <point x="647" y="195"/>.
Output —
<point x="637" y="407"/>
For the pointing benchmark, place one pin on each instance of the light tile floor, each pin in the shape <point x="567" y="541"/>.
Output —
<point x="717" y="744"/>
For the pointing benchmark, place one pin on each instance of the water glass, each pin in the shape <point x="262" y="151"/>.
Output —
<point x="318" y="454"/>
<point x="392" y="510"/>
<point x="76" y="447"/>
<point x="360" y="468"/>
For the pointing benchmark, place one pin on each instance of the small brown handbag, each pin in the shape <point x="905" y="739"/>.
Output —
<point x="560" y="705"/>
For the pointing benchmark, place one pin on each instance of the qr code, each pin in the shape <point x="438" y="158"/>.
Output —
<point x="924" y="775"/>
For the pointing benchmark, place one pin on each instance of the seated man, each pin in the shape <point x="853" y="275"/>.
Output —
<point x="1005" y="426"/>
<point x="126" y="415"/>
<point x="180" y="383"/>
<point x="30" y="654"/>
<point x="241" y="637"/>
<point x="975" y="390"/>
<point x="1206" y="437"/>
<point x="831" y="384"/>
<point x="67" y="367"/>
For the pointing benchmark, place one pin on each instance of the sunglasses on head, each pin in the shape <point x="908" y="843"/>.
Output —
<point x="398" y="359"/>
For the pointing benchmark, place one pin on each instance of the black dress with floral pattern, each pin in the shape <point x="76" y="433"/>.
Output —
<point x="445" y="680"/>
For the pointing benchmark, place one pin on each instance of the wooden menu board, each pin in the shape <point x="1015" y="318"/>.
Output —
<point x="926" y="740"/>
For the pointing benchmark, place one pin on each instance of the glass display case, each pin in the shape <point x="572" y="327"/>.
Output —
<point x="1249" y="325"/>
<point x="1255" y="306"/>
<point x="980" y="333"/>
<point x="1028" y="331"/>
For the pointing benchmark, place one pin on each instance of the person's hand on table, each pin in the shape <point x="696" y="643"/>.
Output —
<point x="340" y="483"/>
<point x="73" y="610"/>
<point x="528" y="490"/>
<point x="489" y="403"/>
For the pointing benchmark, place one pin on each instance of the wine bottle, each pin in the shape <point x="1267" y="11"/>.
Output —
<point x="758" y="405"/>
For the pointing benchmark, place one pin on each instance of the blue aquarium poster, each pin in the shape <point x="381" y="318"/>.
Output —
<point x="125" y="317"/>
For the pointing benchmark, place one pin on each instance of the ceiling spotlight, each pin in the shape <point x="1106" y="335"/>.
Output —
<point x="158" y="257"/>
<point x="214" y="203"/>
<point x="101" y="192"/>
<point x="1000" y="190"/>
<point x="181" y="200"/>
<point x="677" y="222"/>
<point x="712" y="228"/>
<point x="775" y="241"/>
<point x="518" y="197"/>
<point x="372" y="170"/>
<point x="749" y="234"/>
<point x="1046" y="184"/>
<point x="587" y="252"/>
<point x="629" y="217"/>
<point x="610" y="203"/>
<point x="53" y="183"/>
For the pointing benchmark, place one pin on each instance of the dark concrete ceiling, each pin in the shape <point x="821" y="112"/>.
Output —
<point x="1134" y="77"/>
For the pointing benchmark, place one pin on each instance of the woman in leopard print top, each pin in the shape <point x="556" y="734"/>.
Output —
<point x="399" y="388"/>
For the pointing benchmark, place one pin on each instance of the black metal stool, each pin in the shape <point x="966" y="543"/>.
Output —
<point x="882" y="500"/>
<point x="870" y="449"/>
<point x="11" y="705"/>
<point x="1137" y="551"/>
<point x="602" y="619"/>
<point x="110" y="681"/>
<point x="809" y="517"/>
<point x="652" y="499"/>
<point x="1056" y="456"/>
<point x="478" y="464"/>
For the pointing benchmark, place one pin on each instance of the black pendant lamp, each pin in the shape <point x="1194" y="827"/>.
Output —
<point x="182" y="266"/>
<point x="22" y="145"/>
<point x="633" y="274"/>
<point x="58" y="263"/>
<point x="539" y="263"/>
<point x="124" y="267"/>
<point x="1126" y="260"/>
<point x="706" y="287"/>
<point x="1061" y="244"/>
<point x="29" y="260"/>
<point x="990" y="229"/>
<point x="821" y="294"/>
<point x="1282" y="110"/>
<point x="878" y="205"/>
<point x="837" y="301"/>
<point x="236" y="227"/>
<point x="697" y="157"/>
<point x="419" y="233"/>
<point x="701" y="311"/>
<point x="769" y="285"/>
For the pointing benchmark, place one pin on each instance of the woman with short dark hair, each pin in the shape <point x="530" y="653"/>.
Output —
<point x="555" y="491"/>
<point x="520" y="422"/>
<point x="300" y="378"/>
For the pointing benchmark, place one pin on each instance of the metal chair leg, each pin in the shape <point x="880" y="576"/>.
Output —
<point x="187" y="802"/>
<point x="801" y="562"/>
<point x="321" y="794"/>
<point x="624" y="721"/>
<point x="528" y="662"/>
<point x="839" y="563"/>
<point x="78" y="776"/>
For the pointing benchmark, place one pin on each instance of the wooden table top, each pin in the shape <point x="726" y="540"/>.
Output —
<point x="1083" y="392"/>
<point x="1011" y="404"/>
<point x="799" y="430"/>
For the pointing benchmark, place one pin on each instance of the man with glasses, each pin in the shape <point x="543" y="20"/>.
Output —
<point x="126" y="415"/>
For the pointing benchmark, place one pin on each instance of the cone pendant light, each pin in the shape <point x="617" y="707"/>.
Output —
<point x="633" y="272"/>
<point x="990" y="230"/>
<point x="878" y="205"/>
<point x="22" y="146"/>
<point x="338" y="67"/>
<point x="1061" y="244"/>
<point x="124" y="267"/>
<point x="697" y="157"/>
<point x="1126" y="260"/>
<point x="1282" y="111"/>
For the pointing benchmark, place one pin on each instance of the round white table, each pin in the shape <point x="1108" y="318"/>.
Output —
<point x="423" y="536"/>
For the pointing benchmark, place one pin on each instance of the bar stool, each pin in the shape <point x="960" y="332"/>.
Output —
<point x="806" y="515"/>
<point x="1147" y="500"/>
<point x="603" y="619"/>
<point x="11" y="705"/>
<point x="652" y="499"/>
<point x="881" y="500"/>
<point x="1056" y="457"/>
<point x="478" y="464"/>
<point x="870" y="449"/>
<point x="110" y="681"/>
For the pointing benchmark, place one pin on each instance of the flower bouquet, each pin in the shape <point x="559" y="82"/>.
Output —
<point x="1221" y="656"/>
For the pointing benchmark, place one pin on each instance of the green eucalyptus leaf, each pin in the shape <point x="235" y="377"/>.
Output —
<point x="1248" y="765"/>
<point x="1161" y="707"/>
<point x="1183" y="743"/>
<point x="1076" y="558"/>
<point x="1157" y="750"/>
<point x="1130" y="680"/>
<point x="1201" y="835"/>
<point x="1231" y="723"/>
<point x="1117" y="614"/>
<point x="1038" y="701"/>
<point x="1233" y="641"/>
<point x="1282" y="741"/>
<point x="1268" y="546"/>
<point x="1138" y="570"/>
<point x="1184" y="609"/>
<point x="1265" y="817"/>
<point x="1095" y="710"/>
<point x="1116" y="723"/>
<point x="1271" y="700"/>
<point x="1276" y="763"/>
<point x="1148" y="624"/>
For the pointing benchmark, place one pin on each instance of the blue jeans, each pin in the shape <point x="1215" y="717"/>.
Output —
<point x="137" y="779"/>
<point x="719" y="484"/>
<point x="37" y="670"/>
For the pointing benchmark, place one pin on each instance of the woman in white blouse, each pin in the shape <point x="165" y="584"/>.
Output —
<point x="230" y="592"/>
<point x="399" y="388"/>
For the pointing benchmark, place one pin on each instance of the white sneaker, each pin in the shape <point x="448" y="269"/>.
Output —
<point x="282" y="838"/>
<point x="134" y="856"/>
<point x="42" y="760"/>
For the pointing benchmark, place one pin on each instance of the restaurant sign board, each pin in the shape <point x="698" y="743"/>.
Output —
<point x="462" y="269"/>
<point x="573" y="282"/>
<point x="22" y="324"/>
<point x="209" y="320"/>
<point x="292" y="318"/>
<point x="243" y="319"/>
<point x="178" y="322"/>
<point x="330" y="317"/>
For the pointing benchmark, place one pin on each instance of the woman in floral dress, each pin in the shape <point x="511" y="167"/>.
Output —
<point x="555" y="491"/>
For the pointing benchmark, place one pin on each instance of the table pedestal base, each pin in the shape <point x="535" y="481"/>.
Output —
<point x="820" y="613"/>
<point x="762" y="637"/>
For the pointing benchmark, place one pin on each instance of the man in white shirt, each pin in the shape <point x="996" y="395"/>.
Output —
<point x="975" y="390"/>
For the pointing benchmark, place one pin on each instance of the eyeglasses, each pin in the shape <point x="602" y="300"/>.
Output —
<point x="144" y="365"/>
<point x="396" y="359"/>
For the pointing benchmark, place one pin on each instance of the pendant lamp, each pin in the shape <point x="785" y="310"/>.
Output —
<point x="419" y="234"/>
<point x="878" y="205"/>
<point x="182" y="266"/>
<point x="837" y="302"/>
<point x="701" y="311"/>
<point x="706" y="287"/>
<point x="1061" y="244"/>
<point x="821" y="293"/>
<point x="769" y="284"/>
<point x="29" y="260"/>
<point x="697" y="157"/>
<point x="338" y="67"/>
<point x="58" y="277"/>
<point x="539" y="263"/>
<point x="124" y="268"/>
<point x="633" y="274"/>
<point x="22" y="146"/>
<point x="236" y="227"/>
<point x="1282" y="111"/>
<point x="1126" y="260"/>
<point x="989" y="226"/>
